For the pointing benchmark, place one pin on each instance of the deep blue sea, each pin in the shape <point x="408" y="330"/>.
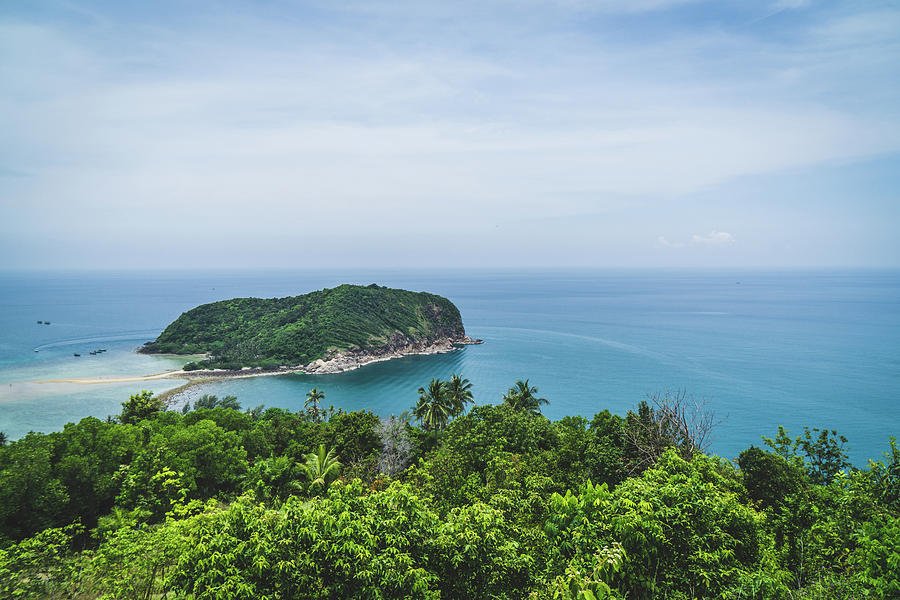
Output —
<point x="818" y="349"/>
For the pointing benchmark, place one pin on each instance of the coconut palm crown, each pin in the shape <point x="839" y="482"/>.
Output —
<point x="434" y="407"/>
<point x="313" y="397"/>
<point x="321" y="467"/>
<point x="524" y="397"/>
<point x="459" y="393"/>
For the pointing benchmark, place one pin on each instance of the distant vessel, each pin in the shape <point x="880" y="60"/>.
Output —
<point x="40" y="322"/>
<point x="76" y="355"/>
<point x="46" y="322"/>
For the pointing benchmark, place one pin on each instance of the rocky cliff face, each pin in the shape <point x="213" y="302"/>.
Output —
<point x="338" y="361"/>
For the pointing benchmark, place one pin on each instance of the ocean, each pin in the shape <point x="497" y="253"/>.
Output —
<point x="761" y="349"/>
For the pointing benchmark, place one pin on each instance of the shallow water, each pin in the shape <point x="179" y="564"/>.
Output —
<point x="820" y="349"/>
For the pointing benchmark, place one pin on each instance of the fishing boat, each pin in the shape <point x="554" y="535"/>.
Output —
<point x="76" y="354"/>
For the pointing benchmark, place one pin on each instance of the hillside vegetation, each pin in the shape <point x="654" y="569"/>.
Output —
<point x="497" y="502"/>
<point x="297" y="330"/>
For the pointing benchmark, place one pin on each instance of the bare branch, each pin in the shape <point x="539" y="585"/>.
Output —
<point x="670" y="420"/>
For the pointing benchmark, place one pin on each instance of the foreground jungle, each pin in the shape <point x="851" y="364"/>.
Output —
<point x="447" y="501"/>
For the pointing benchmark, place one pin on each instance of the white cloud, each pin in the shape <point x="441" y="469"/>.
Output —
<point x="713" y="238"/>
<point x="390" y="120"/>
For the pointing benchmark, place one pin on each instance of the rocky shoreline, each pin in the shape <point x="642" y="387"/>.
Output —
<point x="347" y="360"/>
<point x="340" y="361"/>
<point x="335" y="362"/>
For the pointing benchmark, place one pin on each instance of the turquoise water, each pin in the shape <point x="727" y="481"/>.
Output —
<point x="820" y="349"/>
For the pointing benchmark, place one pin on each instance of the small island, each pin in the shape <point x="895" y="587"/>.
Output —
<point x="326" y="331"/>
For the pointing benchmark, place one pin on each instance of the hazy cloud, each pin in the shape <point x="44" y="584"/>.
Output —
<point x="713" y="238"/>
<point x="248" y="132"/>
<point x="788" y="4"/>
<point x="664" y="242"/>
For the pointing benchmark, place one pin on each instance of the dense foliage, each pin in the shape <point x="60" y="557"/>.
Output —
<point x="297" y="330"/>
<point x="498" y="502"/>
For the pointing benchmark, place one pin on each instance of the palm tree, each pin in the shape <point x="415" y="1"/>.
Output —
<point x="433" y="407"/>
<point x="3" y="439"/>
<point x="321" y="467"/>
<point x="459" y="392"/>
<point x="524" y="397"/>
<point x="313" y="397"/>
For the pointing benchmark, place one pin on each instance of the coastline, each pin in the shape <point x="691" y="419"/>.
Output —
<point x="337" y="362"/>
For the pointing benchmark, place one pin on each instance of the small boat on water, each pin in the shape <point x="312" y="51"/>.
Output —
<point x="40" y="322"/>
<point x="76" y="354"/>
<point x="46" y="322"/>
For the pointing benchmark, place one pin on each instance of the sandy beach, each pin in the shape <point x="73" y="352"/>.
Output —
<point x="97" y="380"/>
<point x="339" y="363"/>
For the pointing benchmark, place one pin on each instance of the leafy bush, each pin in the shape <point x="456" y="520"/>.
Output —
<point x="684" y="528"/>
<point x="507" y="505"/>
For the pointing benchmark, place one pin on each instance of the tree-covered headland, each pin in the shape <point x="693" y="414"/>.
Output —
<point x="276" y="332"/>
<point x="449" y="501"/>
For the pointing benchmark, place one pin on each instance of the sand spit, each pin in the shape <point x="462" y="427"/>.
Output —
<point x="335" y="362"/>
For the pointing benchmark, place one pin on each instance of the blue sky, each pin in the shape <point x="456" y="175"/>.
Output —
<point x="566" y="133"/>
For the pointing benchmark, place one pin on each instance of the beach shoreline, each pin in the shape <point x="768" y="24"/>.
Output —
<point x="338" y="362"/>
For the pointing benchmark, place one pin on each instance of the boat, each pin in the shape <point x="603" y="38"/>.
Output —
<point x="40" y="322"/>
<point x="46" y="322"/>
<point x="76" y="354"/>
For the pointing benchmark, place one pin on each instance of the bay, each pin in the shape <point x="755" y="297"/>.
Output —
<point x="761" y="348"/>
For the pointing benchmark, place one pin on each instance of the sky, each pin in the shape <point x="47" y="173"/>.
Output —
<point x="466" y="134"/>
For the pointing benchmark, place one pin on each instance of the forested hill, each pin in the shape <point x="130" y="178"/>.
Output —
<point x="494" y="503"/>
<point x="300" y="329"/>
